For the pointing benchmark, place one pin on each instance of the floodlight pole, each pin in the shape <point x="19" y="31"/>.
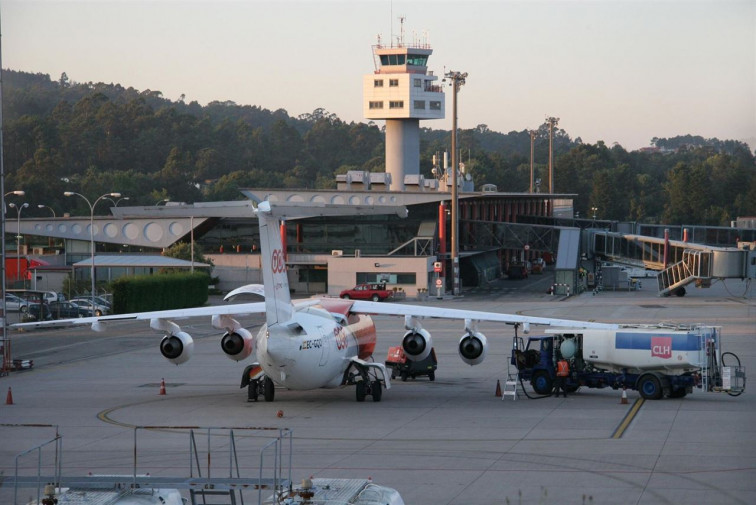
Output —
<point x="532" y="156"/>
<point x="552" y="122"/>
<point x="457" y="80"/>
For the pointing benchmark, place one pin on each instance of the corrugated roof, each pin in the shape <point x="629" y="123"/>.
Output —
<point x="138" y="260"/>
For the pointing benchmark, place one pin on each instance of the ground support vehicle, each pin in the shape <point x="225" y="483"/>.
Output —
<point x="405" y="368"/>
<point x="656" y="361"/>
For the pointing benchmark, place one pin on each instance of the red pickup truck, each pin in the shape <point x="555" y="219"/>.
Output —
<point x="374" y="292"/>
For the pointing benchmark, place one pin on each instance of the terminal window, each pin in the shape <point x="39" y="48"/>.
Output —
<point x="393" y="82"/>
<point x="420" y="104"/>
<point x="376" y="105"/>
<point x="394" y="59"/>
<point x="398" y="104"/>
<point x="435" y="105"/>
<point x="378" y="83"/>
<point x="417" y="60"/>
<point x="390" y="278"/>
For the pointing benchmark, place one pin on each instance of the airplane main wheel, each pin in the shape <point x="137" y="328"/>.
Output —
<point x="252" y="391"/>
<point x="377" y="390"/>
<point x="361" y="391"/>
<point x="269" y="390"/>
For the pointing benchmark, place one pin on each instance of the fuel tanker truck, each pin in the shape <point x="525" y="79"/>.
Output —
<point x="657" y="361"/>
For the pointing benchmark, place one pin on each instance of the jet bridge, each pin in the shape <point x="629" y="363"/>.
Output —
<point x="678" y="263"/>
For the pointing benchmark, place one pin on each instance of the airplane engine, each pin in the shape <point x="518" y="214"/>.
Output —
<point x="177" y="348"/>
<point x="473" y="347"/>
<point x="417" y="344"/>
<point x="238" y="345"/>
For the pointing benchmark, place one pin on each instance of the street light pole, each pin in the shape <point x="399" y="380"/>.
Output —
<point x="457" y="80"/>
<point x="18" y="208"/>
<point x="116" y="202"/>
<point x="91" y="232"/>
<point x="6" y="358"/>
<point x="42" y="206"/>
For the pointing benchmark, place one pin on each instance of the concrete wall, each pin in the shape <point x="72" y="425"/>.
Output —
<point x="342" y="271"/>
<point x="235" y="270"/>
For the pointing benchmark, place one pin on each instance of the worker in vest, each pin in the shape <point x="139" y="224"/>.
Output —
<point x="563" y="371"/>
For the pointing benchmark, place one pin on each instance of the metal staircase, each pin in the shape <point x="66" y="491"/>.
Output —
<point x="694" y="266"/>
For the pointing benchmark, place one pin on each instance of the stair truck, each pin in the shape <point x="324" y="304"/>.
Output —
<point x="656" y="360"/>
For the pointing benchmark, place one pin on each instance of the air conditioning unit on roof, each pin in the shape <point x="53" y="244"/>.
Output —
<point x="337" y="252"/>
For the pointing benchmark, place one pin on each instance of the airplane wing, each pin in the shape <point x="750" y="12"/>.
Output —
<point x="422" y="311"/>
<point x="238" y="309"/>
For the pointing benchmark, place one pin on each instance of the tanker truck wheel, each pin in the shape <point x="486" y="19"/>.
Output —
<point x="542" y="382"/>
<point x="650" y="387"/>
<point x="678" y="393"/>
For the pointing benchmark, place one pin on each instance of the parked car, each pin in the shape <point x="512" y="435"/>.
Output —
<point x="57" y="310"/>
<point x="13" y="302"/>
<point x="52" y="296"/>
<point x="100" y="309"/>
<point x="369" y="291"/>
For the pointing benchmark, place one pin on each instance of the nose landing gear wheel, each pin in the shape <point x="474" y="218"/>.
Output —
<point x="361" y="391"/>
<point x="376" y="390"/>
<point x="269" y="390"/>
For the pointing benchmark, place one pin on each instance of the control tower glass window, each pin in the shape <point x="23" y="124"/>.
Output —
<point x="417" y="60"/>
<point x="393" y="59"/>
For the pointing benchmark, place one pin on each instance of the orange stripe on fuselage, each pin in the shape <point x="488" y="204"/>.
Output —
<point x="361" y="326"/>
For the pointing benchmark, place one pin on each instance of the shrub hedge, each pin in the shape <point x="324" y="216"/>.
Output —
<point x="143" y="293"/>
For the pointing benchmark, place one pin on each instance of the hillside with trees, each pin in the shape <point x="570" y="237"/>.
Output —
<point x="93" y="138"/>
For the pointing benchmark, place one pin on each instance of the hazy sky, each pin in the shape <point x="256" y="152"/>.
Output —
<point x="617" y="71"/>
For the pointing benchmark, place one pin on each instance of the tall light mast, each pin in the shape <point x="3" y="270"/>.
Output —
<point x="552" y="122"/>
<point x="532" y="156"/>
<point x="457" y="80"/>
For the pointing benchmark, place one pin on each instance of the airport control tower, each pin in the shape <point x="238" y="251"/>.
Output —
<point x="402" y="91"/>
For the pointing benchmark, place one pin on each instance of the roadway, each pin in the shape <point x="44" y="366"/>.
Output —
<point x="448" y="442"/>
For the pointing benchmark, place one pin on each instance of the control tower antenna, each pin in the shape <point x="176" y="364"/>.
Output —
<point x="400" y="42"/>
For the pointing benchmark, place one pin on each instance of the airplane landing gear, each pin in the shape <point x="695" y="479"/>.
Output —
<point x="262" y="386"/>
<point x="366" y="383"/>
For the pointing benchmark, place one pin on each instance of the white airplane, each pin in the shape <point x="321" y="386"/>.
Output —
<point x="318" y="342"/>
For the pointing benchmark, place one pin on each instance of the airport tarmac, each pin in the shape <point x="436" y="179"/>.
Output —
<point x="451" y="441"/>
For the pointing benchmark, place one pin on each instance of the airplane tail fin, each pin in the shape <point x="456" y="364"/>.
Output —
<point x="278" y="306"/>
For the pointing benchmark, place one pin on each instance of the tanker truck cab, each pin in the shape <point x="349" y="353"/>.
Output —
<point x="656" y="361"/>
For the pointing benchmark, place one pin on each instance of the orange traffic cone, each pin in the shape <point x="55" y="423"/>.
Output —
<point x="498" y="388"/>
<point x="9" y="397"/>
<point x="623" y="401"/>
<point x="162" y="387"/>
